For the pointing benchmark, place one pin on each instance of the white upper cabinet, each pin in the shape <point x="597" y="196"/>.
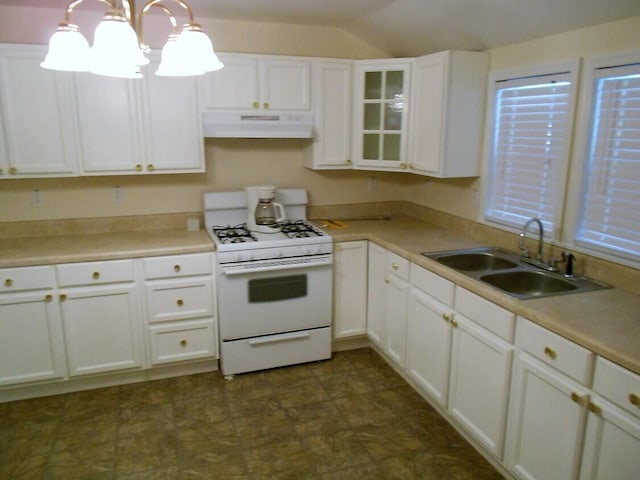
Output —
<point x="447" y="108"/>
<point x="139" y="126"/>
<point x="380" y="121"/>
<point x="332" y="103"/>
<point x="259" y="83"/>
<point x="37" y="121"/>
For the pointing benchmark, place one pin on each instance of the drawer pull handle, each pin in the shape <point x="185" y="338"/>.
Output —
<point x="48" y="298"/>
<point x="8" y="282"/>
<point x="63" y="297"/>
<point x="551" y="353"/>
<point x="96" y="275"/>
<point x="576" y="398"/>
<point x="180" y="302"/>
<point x="594" y="408"/>
<point x="176" y="268"/>
<point x="183" y="343"/>
<point x="395" y="266"/>
<point x="634" y="399"/>
<point x="386" y="280"/>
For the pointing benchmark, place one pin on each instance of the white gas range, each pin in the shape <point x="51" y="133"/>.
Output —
<point x="274" y="289"/>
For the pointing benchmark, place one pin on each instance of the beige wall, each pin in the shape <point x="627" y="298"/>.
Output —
<point x="232" y="164"/>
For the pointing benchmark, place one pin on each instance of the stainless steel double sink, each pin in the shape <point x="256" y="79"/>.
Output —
<point x="505" y="271"/>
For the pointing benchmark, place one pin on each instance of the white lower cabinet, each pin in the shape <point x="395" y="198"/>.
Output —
<point x="612" y="437"/>
<point x="100" y="313"/>
<point x="388" y="302"/>
<point x="180" y="301"/>
<point x="481" y="360"/>
<point x="350" y="289"/>
<point x="31" y="339"/>
<point x="429" y="333"/>
<point x="548" y="405"/>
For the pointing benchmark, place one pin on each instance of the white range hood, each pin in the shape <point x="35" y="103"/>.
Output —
<point x="237" y="125"/>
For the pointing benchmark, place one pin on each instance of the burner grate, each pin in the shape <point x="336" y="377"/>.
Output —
<point x="299" y="229"/>
<point x="233" y="234"/>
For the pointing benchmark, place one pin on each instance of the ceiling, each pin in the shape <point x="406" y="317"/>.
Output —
<point x="412" y="27"/>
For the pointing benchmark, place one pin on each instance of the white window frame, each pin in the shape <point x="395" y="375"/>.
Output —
<point x="573" y="69"/>
<point x="582" y="138"/>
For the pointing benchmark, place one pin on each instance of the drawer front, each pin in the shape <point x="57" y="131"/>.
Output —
<point x="617" y="384"/>
<point x="432" y="284"/>
<point x="173" y="300"/>
<point x="485" y="313"/>
<point x="552" y="349"/>
<point x="178" y="266"/>
<point x="26" y="278"/>
<point x="398" y="265"/>
<point x="182" y="341"/>
<point x="95" y="273"/>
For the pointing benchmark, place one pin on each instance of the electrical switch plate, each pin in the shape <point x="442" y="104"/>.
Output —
<point x="117" y="194"/>
<point x="37" y="198"/>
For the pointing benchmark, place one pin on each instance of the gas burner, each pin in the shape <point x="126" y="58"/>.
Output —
<point x="300" y="229"/>
<point x="233" y="234"/>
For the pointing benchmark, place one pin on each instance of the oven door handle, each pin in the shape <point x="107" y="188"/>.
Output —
<point x="283" y="337"/>
<point x="230" y="271"/>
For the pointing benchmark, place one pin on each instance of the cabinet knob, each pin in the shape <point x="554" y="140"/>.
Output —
<point x="180" y="302"/>
<point x="176" y="268"/>
<point x="8" y="282"/>
<point x="183" y="343"/>
<point x="1" y="171"/>
<point x="138" y="168"/>
<point x="96" y="275"/>
<point x="594" y="408"/>
<point x="551" y="353"/>
<point x="63" y="297"/>
<point x="395" y="266"/>
<point x="13" y="170"/>
<point x="446" y="317"/>
<point x="150" y="167"/>
<point x="266" y="105"/>
<point x="576" y="398"/>
<point x="48" y="298"/>
<point x="386" y="280"/>
<point x="454" y="322"/>
<point x="634" y="399"/>
<point x="348" y="162"/>
<point x="411" y="166"/>
<point x="255" y="105"/>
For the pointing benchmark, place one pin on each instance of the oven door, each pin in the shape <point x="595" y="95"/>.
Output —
<point x="260" y="303"/>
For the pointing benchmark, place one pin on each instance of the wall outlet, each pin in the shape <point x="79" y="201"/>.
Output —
<point x="117" y="194"/>
<point x="37" y="198"/>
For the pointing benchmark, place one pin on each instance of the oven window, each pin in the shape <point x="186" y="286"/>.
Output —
<point x="277" y="288"/>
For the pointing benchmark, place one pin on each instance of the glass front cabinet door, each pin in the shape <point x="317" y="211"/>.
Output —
<point x="381" y="114"/>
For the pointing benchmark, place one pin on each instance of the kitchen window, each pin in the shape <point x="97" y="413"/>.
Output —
<point x="605" y="216"/>
<point x="531" y="125"/>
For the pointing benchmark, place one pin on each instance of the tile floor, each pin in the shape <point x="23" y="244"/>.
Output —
<point x="351" y="417"/>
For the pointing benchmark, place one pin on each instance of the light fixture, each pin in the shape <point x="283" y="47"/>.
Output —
<point x="118" y="49"/>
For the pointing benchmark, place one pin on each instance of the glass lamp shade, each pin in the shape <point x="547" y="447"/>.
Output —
<point x="196" y="48"/>
<point x="68" y="50"/>
<point x="172" y="63"/>
<point x="115" y="51"/>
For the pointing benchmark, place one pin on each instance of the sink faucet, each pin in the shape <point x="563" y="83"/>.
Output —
<point x="526" y="253"/>
<point x="522" y="241"/>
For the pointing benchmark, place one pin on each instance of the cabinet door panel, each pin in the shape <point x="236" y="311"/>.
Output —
<point x="479" y="388"/>
<point x="174" y="141"/>
<point x="31" y="345"/>
<point x="109" y="130"/>
<point x="101" y="329"/>
<point x="37" y="111"/>
<point x="377" y="297"/>
<point x="233" y="87"/>
<point x="429" y="345"/>
<point x="397" y="304"/>
<point x="545" y="425"/>
<point x="285" y="84"/>
<point x="350" y="289"/>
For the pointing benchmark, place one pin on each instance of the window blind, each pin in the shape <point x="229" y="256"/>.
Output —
<point x="532" y="126"/>
<point x="610" y="216"/>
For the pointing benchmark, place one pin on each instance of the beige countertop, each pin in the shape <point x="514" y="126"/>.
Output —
<point x="18" y="252"/>
<point x="605" y="321"/>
